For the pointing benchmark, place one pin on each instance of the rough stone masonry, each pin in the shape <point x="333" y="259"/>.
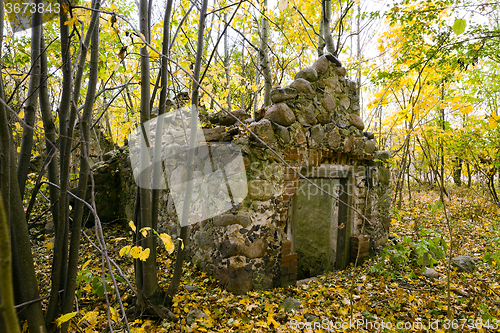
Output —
<point x="287" y="228"/>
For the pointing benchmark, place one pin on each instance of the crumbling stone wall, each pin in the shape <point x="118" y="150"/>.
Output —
<point x="313" y="124"/>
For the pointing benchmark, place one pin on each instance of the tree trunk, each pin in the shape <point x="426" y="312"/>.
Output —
<point x="321" y="39"/>
<point x="10" y="322"/>
<point x="469" y="175"/>
<point x="243" y="72"/>
<point x="65" y="134"/>
<point x="50" y="134"/>
<point x="327" y="14"/>
<point x="147" y="282"/>
<point x="68" y="110"/>
<point x="181" y="250"/>
<point x="441" y="141"/>
<point x="157" y="167"/>
<point x="264" y="55"/>
<point x="26" y="285"/>
<point x="31" y="102"/>
<point x="226" y="67"/>
<point x="457" y="172"/>
<point x="86" y="122"/>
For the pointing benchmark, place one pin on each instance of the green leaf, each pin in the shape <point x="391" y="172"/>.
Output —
<point x="459" y="26"/>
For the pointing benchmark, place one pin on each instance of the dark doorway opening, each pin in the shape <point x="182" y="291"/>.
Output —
<point x="320" y="226"/>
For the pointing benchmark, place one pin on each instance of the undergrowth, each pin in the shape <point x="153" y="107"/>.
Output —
<point x="388" y="290"/>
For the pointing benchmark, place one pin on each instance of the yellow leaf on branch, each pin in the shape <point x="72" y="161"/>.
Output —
<point x="125" y="250"/>
<point x="136" y="251"/>
<point x="167" y="241"/>
<point x="71" y="21"/>
<point x="132" y="226"/>
<point x="144" y="255"/>
<point x="64" y="318"/>
<point x="144" y="231"/>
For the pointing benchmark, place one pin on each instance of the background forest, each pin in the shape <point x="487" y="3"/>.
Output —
<point x="427" y="72"/>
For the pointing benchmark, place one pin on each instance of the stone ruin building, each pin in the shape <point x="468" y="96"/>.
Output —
<point x="286" y="228"/>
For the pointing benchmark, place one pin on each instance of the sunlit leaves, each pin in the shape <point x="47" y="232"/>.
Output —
<point x="493" y="120"/>
<point x="136" y="252"/>
<point x="459" y="26"/>
<point x="283" y="4"/>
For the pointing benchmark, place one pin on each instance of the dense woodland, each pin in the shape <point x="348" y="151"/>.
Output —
<point x="427" y="72"/>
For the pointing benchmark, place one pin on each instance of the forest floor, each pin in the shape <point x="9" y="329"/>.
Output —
<point x="388" y="293"/>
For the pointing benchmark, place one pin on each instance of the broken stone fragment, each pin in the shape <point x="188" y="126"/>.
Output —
<point x="236" y="280"/>
<point x="317" y="136"/>
<point x="291" y="304"/>
<point x="384" y="175"/>
<point x="257" y="249"/>
<point x="431" y="273"/>
<point x="191" y="289"/>
<point x="303" y="86"/>
<point x="370" y="147"/>
<point x="348" y="144"/>
<point x="224" y="220"/>
<point x="283" y="94"/>
<point x="264" y="130"/>
<point x="280" y="113"/>
<point x="342" y="121"/>
<point x="353" y="88"/>
<point x="369" y="135"/>
<point x="356" y="121"/>
<point x="324" y="118"/>
<point x="358" y="147"/>
<point x="383" y="155"/>
<point x="213" y="134"/>
<point x="464" y="263"/>
<point x="306" y="115"/>
<point x="261" y="113"/>
<point x="281" y="133"/>
<point x="332" y="85"/>
<point x="345" y="102"/>
<point x="260" y="189"/>
<point x="228" y="120"/>
<point x="341" y="71"/>
<point x="321" y="65"/>
<point x="195" y="314"/>
<point x="297" y="134"/>
<point x="308" y="74"/>
<point x="334" y="139"/>
<point x="329" y="103"/>
<point x="333" y="59"/>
